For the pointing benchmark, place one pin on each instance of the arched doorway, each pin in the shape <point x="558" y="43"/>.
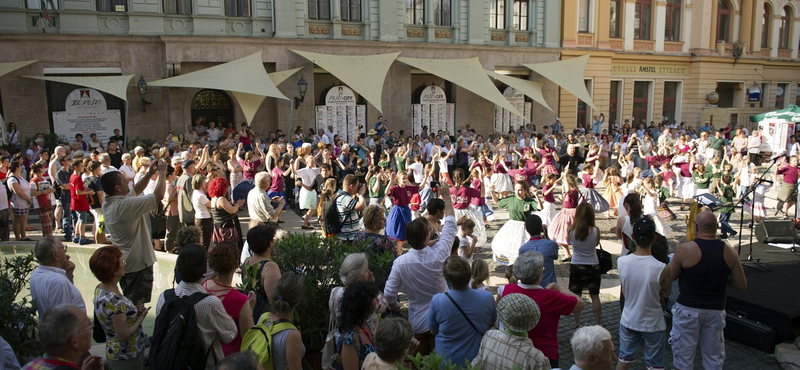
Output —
<point x="212" y="106"/>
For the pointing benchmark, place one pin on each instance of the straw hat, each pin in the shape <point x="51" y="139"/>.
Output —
<point x="372" y="132"/>
<point x="518" y="312"/>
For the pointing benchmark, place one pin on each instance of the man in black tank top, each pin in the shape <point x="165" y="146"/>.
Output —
<point x="705" y="267"/>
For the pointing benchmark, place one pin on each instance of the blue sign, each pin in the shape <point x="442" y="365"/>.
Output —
<point x="754" y="94"/>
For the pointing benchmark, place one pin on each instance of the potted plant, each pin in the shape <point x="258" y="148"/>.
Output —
<point x="17" y="323"/>
<point x="317" y="260"/>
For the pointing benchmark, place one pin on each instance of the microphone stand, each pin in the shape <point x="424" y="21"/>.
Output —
<point x="750" y="190"/>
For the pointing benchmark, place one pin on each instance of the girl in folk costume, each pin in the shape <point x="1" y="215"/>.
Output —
<point x="613" y="193"/>
<point x="522" y="172"/>
<point x="480" y="203"/>
<point x="629" y="187"/>
<point x="425" y="191"/>
<point x="563" y="221"/>
<point x="549" y="158"/>
<point x="588" y="176"/>
<point x="501" y="181"/>
<point x="702" y="179"/>
<point x="548" y="212"/>
<point x="400" y="215"/>
<point x="462" y="196"/>
<point x="593" y="160"/>
<point x="686" y="186"/>
<point x="626" y="165"/>
<point x="663" y="194"/>
<point x="650" y="206"/>
<point x="505" y="245"/>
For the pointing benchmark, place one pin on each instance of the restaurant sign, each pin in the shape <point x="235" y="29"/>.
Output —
<point x="649" y="69"/>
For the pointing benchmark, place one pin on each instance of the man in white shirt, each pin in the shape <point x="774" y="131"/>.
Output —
<point x="213" y="132"/>
<point x="754" y="146"/>
<point x="51" y="282"/>
<point x="105" y="164"/>
<point x="330" y="134"/>
<point x="794" y="146"/>
<point x="259" y="204"/>
<point x="127" y="218"/>
<point x="324" y="137"/>
<point x="419" y="272"/>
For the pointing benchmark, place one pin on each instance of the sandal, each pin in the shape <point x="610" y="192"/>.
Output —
<point x="307" y="227"/>
<point x="26" y="240"/>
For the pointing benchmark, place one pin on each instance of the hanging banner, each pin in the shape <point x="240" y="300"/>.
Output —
<point x="341" y="111"/>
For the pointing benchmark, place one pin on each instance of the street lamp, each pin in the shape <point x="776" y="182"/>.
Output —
<point x="302" y="87"/>
<point x="142" y="86"/>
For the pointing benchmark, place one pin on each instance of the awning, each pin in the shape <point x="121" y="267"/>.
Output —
<point x="251" y="102"/>
<point x="365" y="74"/>
<point x="790" y="114"/>
<point x="567" y="74"/>
<point x="114" y="85"/>
<point x="6" y="68"/>
<point x="245" y="78"/>
<point x="467" y="73"/>
<point x="531" y="89"/>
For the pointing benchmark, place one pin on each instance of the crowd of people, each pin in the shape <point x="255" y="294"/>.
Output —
<point x="426" y="198"/>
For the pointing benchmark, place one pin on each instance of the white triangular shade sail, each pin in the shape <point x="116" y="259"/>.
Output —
<point x="467" y="73"/>
<point x="531" y="89"/>
<point x="114" y="85"/>
<point x="6" y="68"/>
<point x="363" y="73"/>
<point x="251" y="102"/>
<point x="567" y="74"/>
<point x="3" y="131"/>
<point x="245" y="78"/>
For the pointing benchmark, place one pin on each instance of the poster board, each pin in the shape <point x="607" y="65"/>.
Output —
<point x="342" y="112"/>
<point x="433" y="111"/>
<point x="505" y="120"/>
<point x="87" y="113"/>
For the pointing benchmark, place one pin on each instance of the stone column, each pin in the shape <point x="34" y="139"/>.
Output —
<point x="552" y="28"/>
<point x="776" y="30"/>
<point x="795" y="38"/>
<point x="712" y="39"/>
<point x="758" y="15"/>
<point x="387" y="18"/>
<point x="746" y="28"/>
<point x="686" y="26"/>
<point x="661" y="20"/>
<point x="602" y="16"/>
<point x="511" y="32"/>
<point x="630" y="13"/>
<point x="569" y="23"/>
<point x="475" y="16"/>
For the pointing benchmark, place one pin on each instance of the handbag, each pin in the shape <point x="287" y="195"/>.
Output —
<point x="606" y="263"/>
<point x="225" y="233"/>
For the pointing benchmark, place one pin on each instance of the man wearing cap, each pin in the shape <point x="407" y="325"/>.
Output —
<point x="510" y="347"/>
<point x="706" y="266"/>
<point x="184" y="188"/>
<point x="127" y="218"/>
<point x="706" y="127"/>
<point x="644" y="281"/>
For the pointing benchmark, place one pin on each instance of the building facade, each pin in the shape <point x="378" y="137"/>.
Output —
<point x="655" y="60"/>
<point x="164" y="38"/>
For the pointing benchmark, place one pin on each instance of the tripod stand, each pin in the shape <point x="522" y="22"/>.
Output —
<point x="756" y="264"/>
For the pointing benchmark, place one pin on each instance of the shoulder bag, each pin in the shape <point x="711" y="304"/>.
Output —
<point x="463" y="314"/>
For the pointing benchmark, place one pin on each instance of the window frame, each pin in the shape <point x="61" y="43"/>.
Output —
<point x="616" y="20"/>
<point x="317" y="6"/>
<point x="439" y="14"/>
<point x="647" y="100"/>
<point x="780" y="101"/>
<point x="415" y="12"/>
<point x="113" y="4"/>
<point x="673" y="8"/>
<point x="520" y="17"/>
<point x="728" y="13"/>
<point x="239" y="12"/>
<point x="349" y="6"/>
<point x="497" y="15"/>
<point x="674" y="100"/>
<point x="588" y="10"/>
<point x="178" y="8"/>
<point x="638" y="33"/>
<point x="785" y="29"/>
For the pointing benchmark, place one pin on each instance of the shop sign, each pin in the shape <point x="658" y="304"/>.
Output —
<point x="753" y="95"/>
<point x="649" y="69"/>
<point x="86" y="100"/>
<point x="513" y="96"/>
<point x="433" y="95"/>
<point x="340" y="96"/>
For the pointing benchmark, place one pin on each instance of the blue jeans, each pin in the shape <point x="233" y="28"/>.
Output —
<point x="655" y="345"/>
<point x="725" y="226"/>
<point x="66" y="220"/>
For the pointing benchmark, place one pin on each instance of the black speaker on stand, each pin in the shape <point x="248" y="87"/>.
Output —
<point x="775" y="232"/>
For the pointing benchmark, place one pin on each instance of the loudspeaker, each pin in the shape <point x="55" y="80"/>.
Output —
<point x="774" y="232"/>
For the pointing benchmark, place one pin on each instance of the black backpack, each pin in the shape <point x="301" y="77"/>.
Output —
<point x="330" y="216"/>
<point x="9" y="192"/>
<point x="177" y="343"/>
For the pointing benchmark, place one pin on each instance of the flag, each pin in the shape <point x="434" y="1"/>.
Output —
<point x="43" y="6"/>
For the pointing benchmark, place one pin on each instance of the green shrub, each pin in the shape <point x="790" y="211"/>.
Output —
<point x="434" y="361"/>
<point x="17" y="325"/>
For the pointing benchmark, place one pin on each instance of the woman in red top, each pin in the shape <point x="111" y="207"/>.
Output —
<point x="462" y="197"/>
<point x="400" y="215"/>
<point x="563" y="221"/>
<point x="789" y="186"/>
<point x="41" y="189"/>
<point x="223" y="260"/>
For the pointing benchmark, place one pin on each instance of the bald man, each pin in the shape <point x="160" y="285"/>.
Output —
<point x="705" y="266"/>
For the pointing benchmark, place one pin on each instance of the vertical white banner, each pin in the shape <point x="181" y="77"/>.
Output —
<point x="322" y="118"/>
<point x="341" y="123"/>
<point x="451" y="117"/>
<point x="416" y="113"/>
<point x="519" y="121"/>
<point x="331" y="120"/>
<point x="506" y="121"/>
<point x="435" y="124"/>
<point x="361" y="118"/>
<point x="443" y="118"/>
<point x="498" y="119"/>
<point x="528" y="112"/>
<point x="425" y="118"/>
<point x="351" y="121"/>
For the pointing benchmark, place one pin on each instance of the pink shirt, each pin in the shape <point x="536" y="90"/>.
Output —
<point x="551" y="198"/>
<point x="402" y="195"/>
<point x="477" y="184"/>
<point x="522" y="174"/>
<point x="463" y="195"/>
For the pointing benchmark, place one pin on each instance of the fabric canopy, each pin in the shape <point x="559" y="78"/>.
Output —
<point x="790" y="114"/>
<point x="278" y="77"/>
<point x="467" y="73"/>
<point x="6" y="68"/>
<point x="114" y="85"/>
<point x="363" y="73"/>
<point x="251" y="102"/>
<point x="567" y="74"/>
<point x="531" y="89"/>
<point x="245" y="78"/>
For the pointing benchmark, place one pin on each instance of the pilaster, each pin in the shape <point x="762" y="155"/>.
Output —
<point x="387" y="16"/>
<point x="661" y="20"/>
<point x="746" y="27"/>
<point x="776" y="26"/>
<point x="285" y="17"/>
<point x="630" y="12"/>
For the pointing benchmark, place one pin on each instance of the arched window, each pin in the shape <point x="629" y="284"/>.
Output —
<point x="672" y="26"/>
<point x="765" y="26"/>
<point x="783" y="40"/>
<point x="615" y="24"/>
<point x="497" y="14"/>
<point x="723" y="21"/>
<point x="642" y="17"/>
<point x="415" y="12"/>
<point x="521" y="15"/>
